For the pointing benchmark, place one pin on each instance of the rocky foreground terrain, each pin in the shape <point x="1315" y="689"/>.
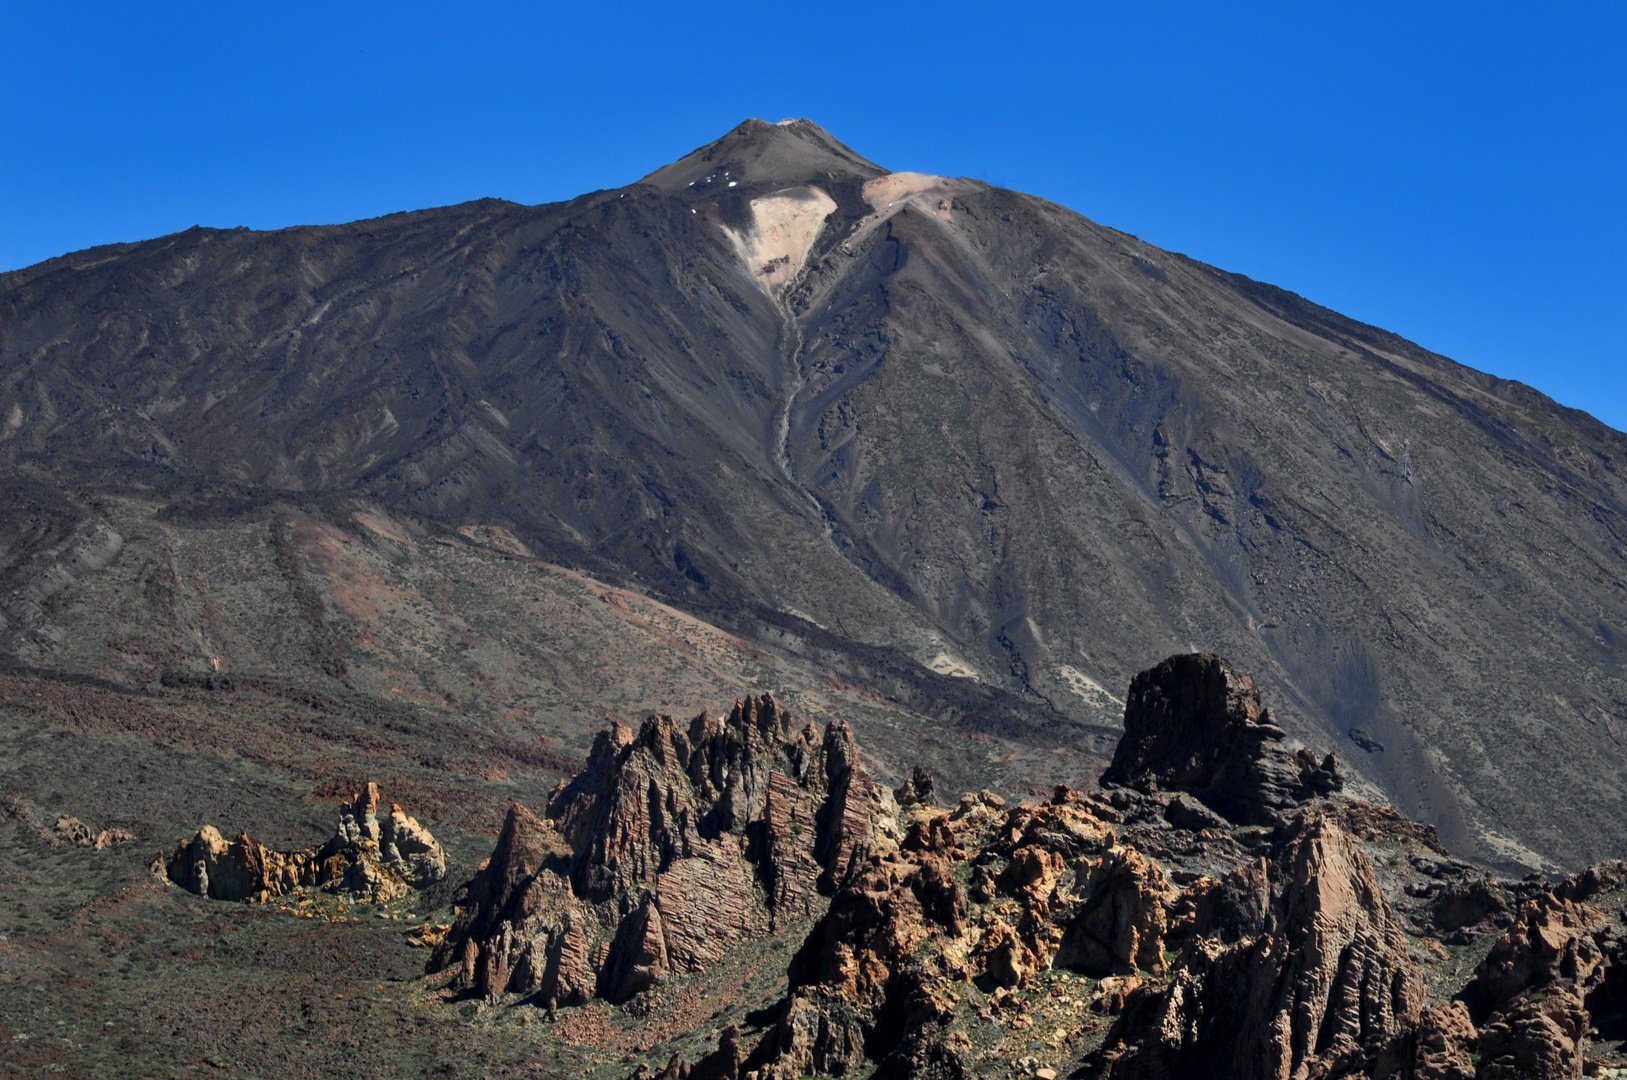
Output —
<point x="1216" y="908"/>
<point x="737" y="898"/>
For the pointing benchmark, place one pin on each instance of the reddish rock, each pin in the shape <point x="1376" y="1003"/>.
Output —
<point x="210" y="865"/>
<point x="1440" y="1047"/>
<point x="674" y="844"/>
<point x="1334" y="980"/>
<point x="879" y="918"/>
<point x="819" y="1033"/>
<point x="1121" y="923"/>
<point x="1539" y="1038"/>
<point x="1550" y="942"/>
<point x="1007" y="958"/>
<point x="1262" y="953"/>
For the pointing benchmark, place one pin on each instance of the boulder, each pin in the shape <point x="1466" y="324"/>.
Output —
<point x="1187" y="813"/>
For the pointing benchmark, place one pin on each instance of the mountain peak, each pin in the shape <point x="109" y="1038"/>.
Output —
<point x="761" y="153"/>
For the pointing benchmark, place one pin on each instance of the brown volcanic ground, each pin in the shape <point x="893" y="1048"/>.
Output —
<point x="458" y="671"/>
<point x="250" y="675"/>
<point x="975" y="435"/>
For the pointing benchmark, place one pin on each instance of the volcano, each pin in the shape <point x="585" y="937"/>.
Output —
<point x="957" y="450"/>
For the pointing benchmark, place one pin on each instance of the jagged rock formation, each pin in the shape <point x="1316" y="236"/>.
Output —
<point x="1326" y="978"/>
<point x="1133" y="934"/>
<point x="672" y="845"/>
<point x="369" y="858"/>
<point x="1195" y="724"/>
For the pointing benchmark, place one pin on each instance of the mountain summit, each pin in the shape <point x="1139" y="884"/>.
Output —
<point x="957" y="448"/>
<point x="758" y="152"/>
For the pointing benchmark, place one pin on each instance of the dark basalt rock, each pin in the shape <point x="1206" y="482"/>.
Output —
<point x="1185" y="813"/>
<point x="1195" y="724"/>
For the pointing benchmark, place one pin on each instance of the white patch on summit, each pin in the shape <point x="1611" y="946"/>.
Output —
<point x="784" y="227"/>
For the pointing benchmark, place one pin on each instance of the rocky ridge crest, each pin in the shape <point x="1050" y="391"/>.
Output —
<point x="672" y="845"/>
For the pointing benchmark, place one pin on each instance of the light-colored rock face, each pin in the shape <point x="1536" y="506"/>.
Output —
<point x="784" y="228"/>
<point x="891" y="193"/>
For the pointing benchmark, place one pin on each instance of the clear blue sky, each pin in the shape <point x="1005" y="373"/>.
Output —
<point x="1453" y="172"/>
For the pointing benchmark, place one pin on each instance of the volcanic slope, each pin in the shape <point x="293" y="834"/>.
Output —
<point x="938" y="435"/>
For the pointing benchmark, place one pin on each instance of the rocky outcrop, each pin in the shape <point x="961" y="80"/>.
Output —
<point x="1539" y="1038"/>
<point x="73" y="831"/>
<point x="1531" y="993"/>
<point x="1329" y="979"/>
<point x="1544" y="983"/>
<point x="210" y="865"/>
<point x="1122" y="921"/>
<point x="675" y="843"/>
<point x="1195" y="724"/>
<point x="370" y="858"/>
<point x="1551" y="943"/>
<point x="1441" y="1046"/>
<point x="395" y="843"/>
<point x="68" y="831"/>
<point x="871" y="979"/>
<point x="868" y="973"/>
<point x="1135" y="934"/>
